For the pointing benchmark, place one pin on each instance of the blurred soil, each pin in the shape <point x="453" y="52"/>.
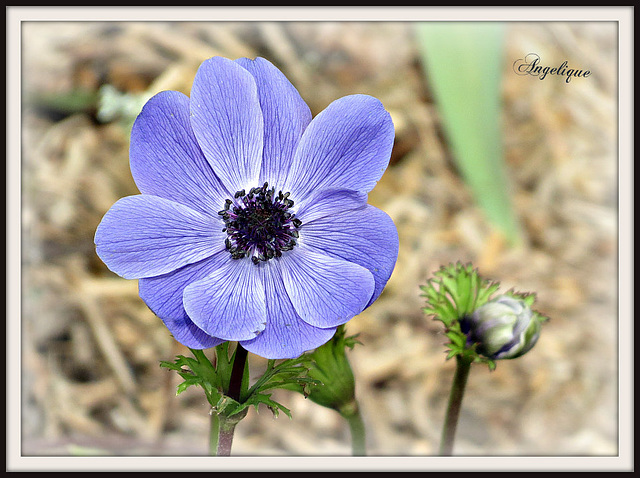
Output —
<point x="91" y="349"/>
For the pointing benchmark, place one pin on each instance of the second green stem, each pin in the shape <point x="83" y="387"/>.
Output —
<point x="356" y="425"/>
<point x="463" y="366"/>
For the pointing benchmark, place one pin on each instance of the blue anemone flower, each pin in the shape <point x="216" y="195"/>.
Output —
<point x="252" y="224"/>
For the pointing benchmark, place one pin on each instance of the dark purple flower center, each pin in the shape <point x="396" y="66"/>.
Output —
<point x="259" y="225"/>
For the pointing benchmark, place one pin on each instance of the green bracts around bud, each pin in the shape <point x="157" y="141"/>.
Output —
<point x="480" y="326"/>
<point x="503" y="328"/>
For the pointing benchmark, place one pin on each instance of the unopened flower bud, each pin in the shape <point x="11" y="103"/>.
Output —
<point x="331" y="368"/>
<point x="503" y="328"/>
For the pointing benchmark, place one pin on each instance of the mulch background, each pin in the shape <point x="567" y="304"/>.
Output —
<point x="91" y="381"/>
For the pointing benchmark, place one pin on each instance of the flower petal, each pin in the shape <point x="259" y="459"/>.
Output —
<point x="166" y="160"/>
<point x="346" y="146"/>
<point x="163" y="295"/>
<point x="286" y="116"/>
<point x="230" y="302"/>
<point x="143" y="236"/>
<point x="365" y="236"/>
<point x="325" y="291"/>
<point x="327" y="202"/>
<point x="227" y="121"/>
<point x="286" y="335"/>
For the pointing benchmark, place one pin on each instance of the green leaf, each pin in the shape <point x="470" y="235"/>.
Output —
<point x="272" y="405"/>
<point x="463" y="65"/>
<point x="197" y="371"/>
<point x="215" y="377"/>
<point x="74" y="101"/>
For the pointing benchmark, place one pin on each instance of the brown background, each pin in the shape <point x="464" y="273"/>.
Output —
<point x="90" y="348"/>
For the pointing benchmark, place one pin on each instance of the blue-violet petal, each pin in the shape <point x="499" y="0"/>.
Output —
<point x="346" y="146"/>
<point x="366" y="236"/>
<point x="286" y="335"/>
<point x="165" y="157"/>
<point x="329" y="202"/>
<point x="144" y="236"/>
<point x="230" y="302"/>
<point x="325" y="291"/>
<point x="286" y="116"/>
<point x="227" y="121"/>
<point x="164" y="296"/>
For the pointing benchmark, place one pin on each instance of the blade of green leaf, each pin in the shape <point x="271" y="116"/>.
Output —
<point x="463" y="66"/>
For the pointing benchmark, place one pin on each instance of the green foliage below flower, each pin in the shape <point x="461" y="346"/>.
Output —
<point x="214" y="378"/>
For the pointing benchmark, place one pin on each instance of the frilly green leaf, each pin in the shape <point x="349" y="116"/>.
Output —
<point x="214" y="378"/>
<point x="453" y="292"/>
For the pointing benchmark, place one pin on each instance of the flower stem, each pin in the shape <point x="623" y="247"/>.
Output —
<point x="223" y="427"/>
<point x="214" y="433"/>
<point x="221" y="434"/>
<point x="237" y="373"/>
<point x="463" y="366"/>
<point x="351" y="413"/>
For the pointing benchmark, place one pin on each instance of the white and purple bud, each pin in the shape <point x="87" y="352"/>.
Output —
<point x="503" y="328"/>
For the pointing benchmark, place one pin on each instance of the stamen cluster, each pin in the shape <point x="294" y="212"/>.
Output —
<point x="259" y="224"/>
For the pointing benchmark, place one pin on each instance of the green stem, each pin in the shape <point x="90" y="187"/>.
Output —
<point x="214" y="433"/>
<point x="463" y="366"/>
<point x="351" y="413"/>
<point x="223" y="427"/>
<point x="221" y="435"/>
